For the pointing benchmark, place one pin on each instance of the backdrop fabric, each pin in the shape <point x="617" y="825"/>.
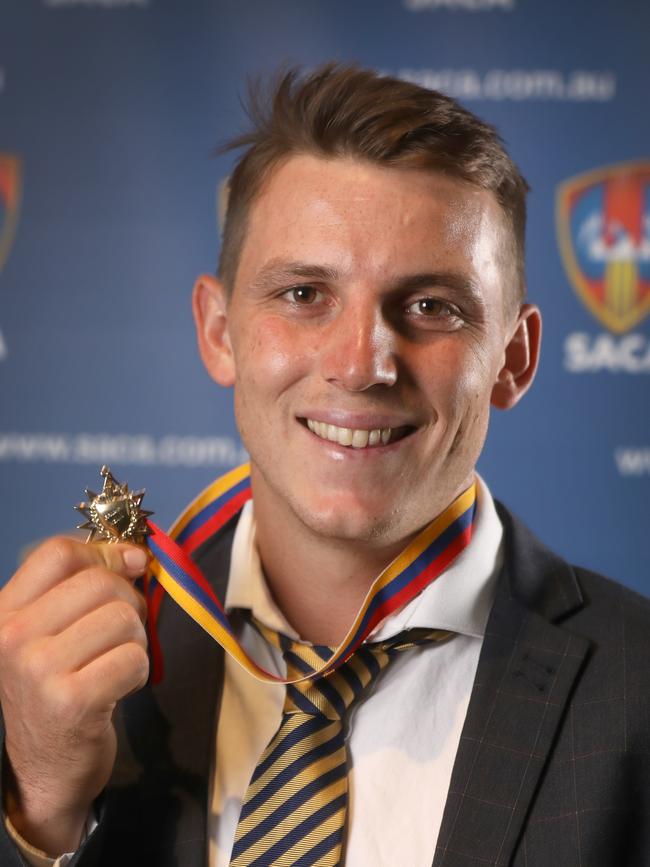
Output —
<point x="110" y="111"/>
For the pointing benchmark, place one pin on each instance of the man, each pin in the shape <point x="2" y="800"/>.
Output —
<point x="369" y="313"/>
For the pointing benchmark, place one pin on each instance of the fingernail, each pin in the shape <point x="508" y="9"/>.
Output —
<point x="135" y="560"/>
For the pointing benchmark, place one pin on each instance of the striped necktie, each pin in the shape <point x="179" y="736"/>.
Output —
<point x="295" y="805"/>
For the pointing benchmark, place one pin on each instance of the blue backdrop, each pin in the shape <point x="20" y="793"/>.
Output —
<point x="109" y="111"/>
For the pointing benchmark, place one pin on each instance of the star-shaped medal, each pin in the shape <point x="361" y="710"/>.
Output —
<point x="115" y="514"/>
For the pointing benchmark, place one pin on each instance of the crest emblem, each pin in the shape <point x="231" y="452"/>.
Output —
<point x="10" y="184"/>
<point x="603" y="224"/>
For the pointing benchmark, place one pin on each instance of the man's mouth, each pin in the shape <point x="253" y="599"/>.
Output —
<point x="357" y="438"/>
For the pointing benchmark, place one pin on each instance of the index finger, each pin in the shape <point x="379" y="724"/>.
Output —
<point x="59" y="558"/>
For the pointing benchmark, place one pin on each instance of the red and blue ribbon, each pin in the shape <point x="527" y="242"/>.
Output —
<point x="173" y="571"/>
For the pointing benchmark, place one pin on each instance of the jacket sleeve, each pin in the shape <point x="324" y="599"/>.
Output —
<point x="10" y="854"/>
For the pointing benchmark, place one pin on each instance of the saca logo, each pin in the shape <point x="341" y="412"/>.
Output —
<point x="603" y="223"/>
<point x="587" y="354"/>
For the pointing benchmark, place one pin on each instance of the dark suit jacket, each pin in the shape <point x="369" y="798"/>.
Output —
<point x="553" y="767"/>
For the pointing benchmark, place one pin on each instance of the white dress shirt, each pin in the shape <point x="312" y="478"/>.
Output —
<point x="402" y="733"/>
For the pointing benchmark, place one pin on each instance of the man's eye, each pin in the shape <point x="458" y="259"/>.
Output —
<point x="429" y="307"/>
<point x="303" y="294"/>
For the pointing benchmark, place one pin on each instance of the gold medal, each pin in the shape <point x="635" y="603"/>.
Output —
<point x="115" y="514"/>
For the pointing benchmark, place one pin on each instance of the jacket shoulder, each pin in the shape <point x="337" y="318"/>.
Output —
<point x="616" y="620"/>
<point x="547" y="583"/>
<point x="601" y="590"/>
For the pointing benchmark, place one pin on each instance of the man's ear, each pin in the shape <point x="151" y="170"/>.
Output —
<point x="210" y="308"/>
<point x="520" y="359"/>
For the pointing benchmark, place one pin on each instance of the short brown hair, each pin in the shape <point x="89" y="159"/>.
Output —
<point x="345" y="111"/>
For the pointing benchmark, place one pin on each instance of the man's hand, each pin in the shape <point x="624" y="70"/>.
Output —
<point x="72" y="644"/>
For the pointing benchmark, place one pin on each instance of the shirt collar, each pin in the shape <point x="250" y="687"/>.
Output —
<point x="459" y="600"/>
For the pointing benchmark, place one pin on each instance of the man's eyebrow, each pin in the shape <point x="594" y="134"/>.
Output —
<point x="458" y="283"/>
<point x="280" y="271"/>
<point x="283" y="270"/>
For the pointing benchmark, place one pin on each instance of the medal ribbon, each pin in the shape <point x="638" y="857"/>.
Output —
<point x="173" y="571"/>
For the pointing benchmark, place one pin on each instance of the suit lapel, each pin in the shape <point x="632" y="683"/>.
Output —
<point x="526" y="672"/>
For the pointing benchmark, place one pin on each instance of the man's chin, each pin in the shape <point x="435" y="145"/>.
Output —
<point x="342" y="512"/>
<point x="348" y="523"/>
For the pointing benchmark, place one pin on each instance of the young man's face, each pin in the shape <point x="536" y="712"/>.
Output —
<point x="366" y="300"/>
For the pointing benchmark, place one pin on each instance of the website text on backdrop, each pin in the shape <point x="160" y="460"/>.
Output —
<point x="477" y="699"/>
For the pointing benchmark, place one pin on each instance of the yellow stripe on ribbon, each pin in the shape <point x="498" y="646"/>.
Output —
<point x="224" y="635"/>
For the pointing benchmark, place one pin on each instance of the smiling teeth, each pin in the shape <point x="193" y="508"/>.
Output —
<point x="345" y="436"/>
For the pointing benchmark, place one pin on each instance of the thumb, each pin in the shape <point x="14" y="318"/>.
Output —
<point x="126" y="559"/>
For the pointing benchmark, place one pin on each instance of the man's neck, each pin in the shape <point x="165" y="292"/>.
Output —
<point x="319" y="583"/>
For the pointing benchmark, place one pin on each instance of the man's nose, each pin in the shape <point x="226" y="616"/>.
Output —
<point x="359" y="351"/>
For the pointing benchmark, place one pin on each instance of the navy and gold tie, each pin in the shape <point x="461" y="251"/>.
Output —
<point x="295" y="805"/>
